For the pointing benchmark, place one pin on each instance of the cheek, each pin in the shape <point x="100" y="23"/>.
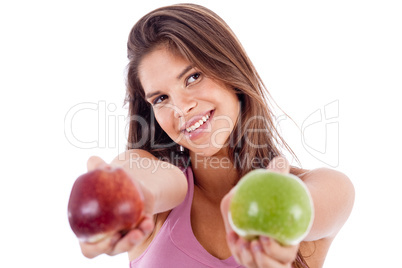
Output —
<point x="231" y="105"/>
<point x="162" y="119"/>
<point x="166" y="120"/>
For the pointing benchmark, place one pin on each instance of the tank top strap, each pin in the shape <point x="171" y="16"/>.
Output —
<point x="184" y="209"/>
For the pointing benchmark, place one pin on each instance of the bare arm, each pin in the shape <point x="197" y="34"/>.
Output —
<point x="333" y="195"/>
<point x="165" y="183"/>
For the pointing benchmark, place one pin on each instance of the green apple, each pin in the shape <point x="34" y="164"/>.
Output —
<point x="271" y="204"/>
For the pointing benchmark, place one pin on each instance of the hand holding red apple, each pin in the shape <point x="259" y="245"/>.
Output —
<point x="103" y="202"/>
<point x="106" y="210"/>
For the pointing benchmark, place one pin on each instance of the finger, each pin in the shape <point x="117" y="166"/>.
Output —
<point x="134" y="237"/>
<point x="225" y="203"/>
<point x="263" y="260"/>
<point x="95" y="162"/>
<point x="127" y="242"/>
<point x="279" y="164"/>
<point x="91" y="250"/>
<point x="245" y="253"/>
<point x="232" y="238"/>
<point x="283" y="254"/>
<point x="147" y="224"/>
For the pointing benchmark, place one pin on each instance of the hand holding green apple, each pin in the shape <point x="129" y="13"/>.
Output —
<point x="271" y="204"/>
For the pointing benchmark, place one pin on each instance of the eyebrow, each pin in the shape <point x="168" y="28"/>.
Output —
<point x="188" y="68"/>
<point x="185" y="70"/>
<point x="150" y="95"/>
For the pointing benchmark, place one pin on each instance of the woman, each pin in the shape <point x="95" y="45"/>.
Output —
<point x="197" y="102"/>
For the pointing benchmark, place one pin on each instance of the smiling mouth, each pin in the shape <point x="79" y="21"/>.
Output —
<point x="198" y="123"/>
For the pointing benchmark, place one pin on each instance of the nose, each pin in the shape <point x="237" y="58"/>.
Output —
<point x="183" y="106"/>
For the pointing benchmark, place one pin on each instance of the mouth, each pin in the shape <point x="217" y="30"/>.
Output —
<point x="197" y="121"/>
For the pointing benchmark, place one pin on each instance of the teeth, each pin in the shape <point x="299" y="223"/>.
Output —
<point x="198" y="124"/>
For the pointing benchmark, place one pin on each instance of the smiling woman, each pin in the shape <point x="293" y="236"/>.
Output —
<point x="189" y="106"/>
<point x="194" y="94"/>
<point x="202" y="41"/>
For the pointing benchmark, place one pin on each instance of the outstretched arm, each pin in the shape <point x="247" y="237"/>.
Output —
<point x="333" y="198"/>
<point x="163" y="182"/>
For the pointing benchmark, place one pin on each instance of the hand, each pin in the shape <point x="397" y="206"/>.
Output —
<point x="262" y="251"/>
<point x="118" y="243"/>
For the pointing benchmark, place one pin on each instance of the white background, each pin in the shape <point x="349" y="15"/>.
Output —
<point x="54" y="55"/>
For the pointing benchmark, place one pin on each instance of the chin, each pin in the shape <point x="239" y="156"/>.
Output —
<point x="210" y="152"/>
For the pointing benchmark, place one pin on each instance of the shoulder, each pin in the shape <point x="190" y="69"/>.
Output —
<point x="333" y="196"/>
<point x="324" y="178"/>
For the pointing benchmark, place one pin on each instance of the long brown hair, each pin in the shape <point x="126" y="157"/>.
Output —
<point x="206" y="41"/>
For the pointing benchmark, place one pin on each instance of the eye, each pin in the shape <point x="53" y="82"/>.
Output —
<point x="159" y="99"/>
<point x="192" y="78"/>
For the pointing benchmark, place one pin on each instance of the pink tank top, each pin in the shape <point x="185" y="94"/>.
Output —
<point x="175" y="245"/>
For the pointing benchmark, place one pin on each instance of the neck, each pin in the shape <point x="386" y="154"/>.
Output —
<point x="215" y="176"/>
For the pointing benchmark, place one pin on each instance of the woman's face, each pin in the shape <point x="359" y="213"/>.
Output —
<point x="194" y="110"/>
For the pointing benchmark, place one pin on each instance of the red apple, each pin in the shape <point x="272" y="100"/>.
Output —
<point x="103" y="202"/>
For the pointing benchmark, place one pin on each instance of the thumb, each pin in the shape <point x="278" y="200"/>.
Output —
<point x="279" y="164"/>
<point x="225" y="204"/>
<point x="95" y="162"/>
